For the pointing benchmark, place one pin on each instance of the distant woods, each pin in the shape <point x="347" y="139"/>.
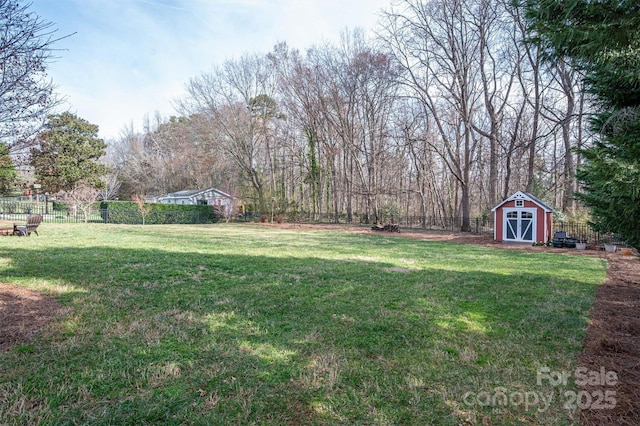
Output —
<point x="443" y="113"/>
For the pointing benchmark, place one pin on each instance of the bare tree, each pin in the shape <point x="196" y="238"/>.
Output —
<point x="111" y="187"/>
<point x="412" y="132"/>
<point x="112" y="181"/>
<point x="143" y="207"/>
<point x="345" y="96"/>
<point x="498" y="65"/>
<point x="26" y="45"/>
<point x="227" y="95"/>
<point x="300" y="85"/>
<point x="141" y="162"/>
<point x="82" y="197"/>
<point x="435" y="45"/>
<point x="374" y="81"/>
<point x="531" y="79"/>
<point x="568" y="79"/>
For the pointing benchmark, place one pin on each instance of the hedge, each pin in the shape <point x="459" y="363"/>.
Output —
<point x="128" y="212"/>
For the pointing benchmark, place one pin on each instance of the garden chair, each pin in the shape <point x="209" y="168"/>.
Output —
<point x="33" y="221"/>
<point x="561" y="239"/>
<point x="558" y="238"/>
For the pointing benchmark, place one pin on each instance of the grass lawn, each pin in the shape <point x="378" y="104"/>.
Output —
<point x="235" y="324"/>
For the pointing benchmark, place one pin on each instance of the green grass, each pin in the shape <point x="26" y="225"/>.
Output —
<point x="233" y="324"/>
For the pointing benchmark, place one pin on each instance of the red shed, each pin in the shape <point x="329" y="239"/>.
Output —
<point x="522" y="218"/>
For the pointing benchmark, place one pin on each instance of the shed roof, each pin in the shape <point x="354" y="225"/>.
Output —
<point x="520" y="195"/>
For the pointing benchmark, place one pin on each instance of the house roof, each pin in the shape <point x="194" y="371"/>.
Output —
<point x="188" y="193"/>
<point x="184" y="194"/>
<point x="520" y="195"/>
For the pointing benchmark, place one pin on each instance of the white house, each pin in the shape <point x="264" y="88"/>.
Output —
<point x="210" y="196"/>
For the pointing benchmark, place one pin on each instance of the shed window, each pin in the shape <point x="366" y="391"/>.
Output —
<point x="512" y="215"/>
<point x="519" y="203"/>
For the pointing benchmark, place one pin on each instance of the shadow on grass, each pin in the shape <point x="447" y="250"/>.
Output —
<point x="160" y="336"/>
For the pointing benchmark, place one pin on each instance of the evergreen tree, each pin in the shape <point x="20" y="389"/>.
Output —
<point x="68" y="154"/>
<point x="602" y="38"/>
<point x="8" y="172"/>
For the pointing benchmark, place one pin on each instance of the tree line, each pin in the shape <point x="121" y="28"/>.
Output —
<point x="443" y="113"/>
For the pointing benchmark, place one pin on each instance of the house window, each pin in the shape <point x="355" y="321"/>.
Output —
<point x="519" y="203"/>
<point x="202" y="202"/>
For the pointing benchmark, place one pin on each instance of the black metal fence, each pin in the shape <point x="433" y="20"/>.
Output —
<point x="13" y="211"/>
<point x="582" y="231"/>
<point x="18" y="207"/>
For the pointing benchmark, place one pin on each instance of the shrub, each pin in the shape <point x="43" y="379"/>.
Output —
<point x="128" y="212"/>
<point x="58" y="206"/>
<point x="10" y="208"/>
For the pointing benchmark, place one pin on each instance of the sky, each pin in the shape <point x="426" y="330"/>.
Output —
<point x="128" y="59"/>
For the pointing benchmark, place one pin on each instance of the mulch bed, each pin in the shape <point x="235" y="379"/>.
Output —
<point x="612" y="343"/>
<point x="612" y="340"/>
<point x="23" y="313"/>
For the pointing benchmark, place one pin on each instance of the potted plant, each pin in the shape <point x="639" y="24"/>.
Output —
<point x="610" y="243"/>
<point x="581" y="241"/>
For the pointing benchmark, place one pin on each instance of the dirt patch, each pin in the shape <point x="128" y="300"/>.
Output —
<point x="23" y="313"/>
<point x="432" y="235"/>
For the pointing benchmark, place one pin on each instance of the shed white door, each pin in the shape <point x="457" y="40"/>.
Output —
<point x="519" y="225"/>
